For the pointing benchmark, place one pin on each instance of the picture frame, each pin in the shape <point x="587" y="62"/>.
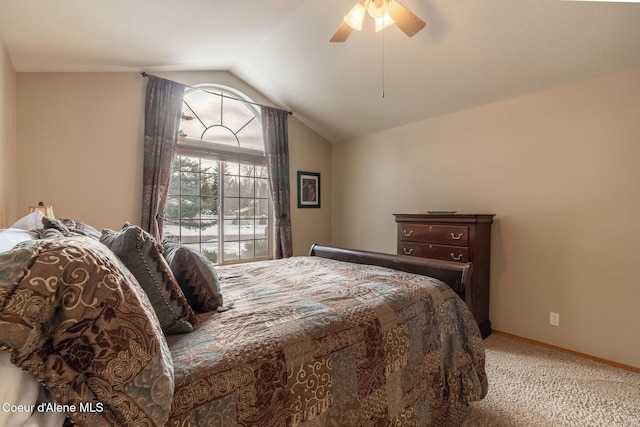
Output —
<point x="308" y="189"/>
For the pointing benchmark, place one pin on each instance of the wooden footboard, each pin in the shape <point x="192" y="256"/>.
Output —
<point x="455" y="274"/>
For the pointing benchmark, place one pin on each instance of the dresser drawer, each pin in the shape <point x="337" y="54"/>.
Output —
<point x="443" y="252"/>
<point x="444" y="234"/>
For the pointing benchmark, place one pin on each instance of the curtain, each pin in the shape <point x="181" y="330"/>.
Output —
<point x="276" y="147"/>
<point x="163" y="106"/>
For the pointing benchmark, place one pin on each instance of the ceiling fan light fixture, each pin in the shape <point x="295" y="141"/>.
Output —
<point x="385" y="13"/>
<point x="384" y="22"/>
<point x="377" y="8"/>
<point x="355" y="17"/>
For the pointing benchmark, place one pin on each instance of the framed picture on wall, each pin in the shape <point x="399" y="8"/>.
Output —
<point x="308" y="189"/>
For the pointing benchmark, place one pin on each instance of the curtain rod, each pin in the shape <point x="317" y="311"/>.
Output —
<point x="144" y="74"/>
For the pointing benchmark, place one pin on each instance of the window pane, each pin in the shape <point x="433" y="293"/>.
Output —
<point x="261" y="172"/>
<point x="189" y="163"/>
<point x="190" y="207"/>
<point x="248" y="250"/>
<point x="261" y="228"/>
<point x="262" y="209"/>
<point x="251" y="136"/>
<point x="247" y="187"/>
<point x="231" y="207"/>
<point x="221" y="135"/>
<point x="209" y="231"/>
<point x="189" y="232"/>
<point x="247" y="229"/>
<point x="189" y="183"/>
<point x="231" y="251"/>
<point x="190" y="126"/>
<point x="231" y="186"/>
<point x="247" y="170"/>
<point x="210" y="251"/>
<point x="171" y="231"/>
<point x="172" y="208"/>
<point x="262" y="188"/>
<point x="262" y="218"/>
<point x="231" y="230"/>
<point x="209" y="207"/>
<point x="206" y="107"/>
<point x="237" y="115"/>
<point x="209" y="166"/>
<point x="246" y="207"/>
<point x="261" y="248"/>
<point x="232" y="168"/>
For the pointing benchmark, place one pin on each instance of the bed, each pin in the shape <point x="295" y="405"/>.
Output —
<point x="336" y="338"/>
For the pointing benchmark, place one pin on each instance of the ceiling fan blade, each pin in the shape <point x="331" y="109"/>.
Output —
<point x="341" y="33"/>
<point x="409" y="23"/>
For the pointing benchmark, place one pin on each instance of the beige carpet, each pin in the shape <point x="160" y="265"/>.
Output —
<point x="534" y="386"/>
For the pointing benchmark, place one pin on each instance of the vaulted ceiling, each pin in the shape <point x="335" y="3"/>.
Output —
<point x="472" y="52"/>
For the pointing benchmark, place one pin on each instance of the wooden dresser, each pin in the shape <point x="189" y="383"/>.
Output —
<point x="454" y="237"/>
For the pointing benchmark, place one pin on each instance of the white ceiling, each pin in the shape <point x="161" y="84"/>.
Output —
<point x="471" y="53"/>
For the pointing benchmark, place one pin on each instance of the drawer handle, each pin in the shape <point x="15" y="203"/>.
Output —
<point x="458" y="237"/>
<point x="408" y="251"/>
<point x="456" y="258"/>
<point x="409" y="234"/>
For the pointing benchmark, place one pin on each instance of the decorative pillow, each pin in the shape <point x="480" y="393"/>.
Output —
<point x="56" y="224"/>
<point x="142" y="255"/>
<point x="195" y="275"/>
<point x="12" y="236"/>
<point x="69" y="227"/>
<point x="49" y="233"/>
<point x="29" y="222"/>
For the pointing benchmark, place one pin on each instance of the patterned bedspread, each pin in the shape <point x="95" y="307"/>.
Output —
<point x="315" y="342"/>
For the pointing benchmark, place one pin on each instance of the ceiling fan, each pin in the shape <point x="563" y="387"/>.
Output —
<point x="385" y="13"/>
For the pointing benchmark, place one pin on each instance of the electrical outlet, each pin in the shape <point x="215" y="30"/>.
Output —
<point x="554" y="319"/>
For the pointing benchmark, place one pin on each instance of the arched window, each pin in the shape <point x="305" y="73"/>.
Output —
<point x="218" y="198"/>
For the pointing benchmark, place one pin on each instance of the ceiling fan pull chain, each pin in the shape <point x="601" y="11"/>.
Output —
<point x="382" y="93"/>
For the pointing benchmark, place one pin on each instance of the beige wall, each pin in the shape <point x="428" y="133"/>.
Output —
<point x="8" y="186"/>
<point x="80" y="147"/>
<point x="309" y="153"/>
<point x="560" y="170"/>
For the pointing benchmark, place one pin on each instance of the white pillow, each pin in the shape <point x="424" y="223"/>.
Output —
<point x="26" y="391"/>
<point x="29" y="222"/>
<point x="12" y="236"/>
